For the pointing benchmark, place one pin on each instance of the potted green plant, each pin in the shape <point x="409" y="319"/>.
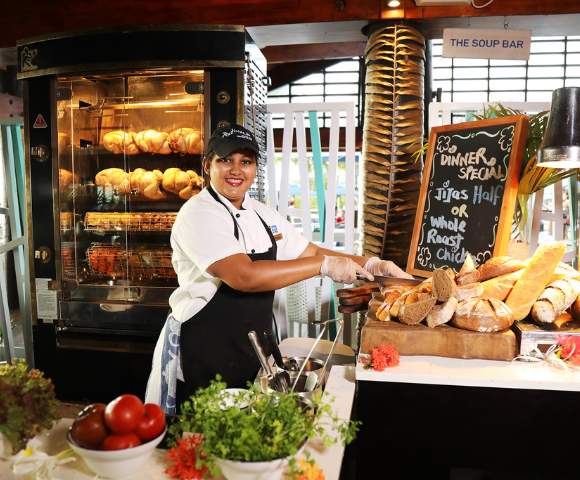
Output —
<point x="255" y="435"/>
<point x="27" y="405"/>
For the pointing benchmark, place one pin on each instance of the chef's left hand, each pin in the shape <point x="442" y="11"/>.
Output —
<point x="384" y="268"/>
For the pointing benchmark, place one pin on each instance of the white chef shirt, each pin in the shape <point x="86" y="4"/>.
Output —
<point x="203" y="233"/>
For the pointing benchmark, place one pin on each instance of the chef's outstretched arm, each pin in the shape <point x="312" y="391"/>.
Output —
<point x="241" y="273"/>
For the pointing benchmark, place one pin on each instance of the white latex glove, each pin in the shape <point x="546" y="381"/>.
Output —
<point x="385" y="268"/>
<point x="342" y="269"/>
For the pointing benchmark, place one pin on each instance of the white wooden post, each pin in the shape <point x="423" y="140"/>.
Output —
<point x="294" y="119"/>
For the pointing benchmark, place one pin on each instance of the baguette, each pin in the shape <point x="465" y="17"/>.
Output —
<point x="556" y="298"/>
<point x="500" y="287"/>
<point x="384" y="309"/>
<point x="441" y="314"/>
<point x="498" y="266"/>
<point x="483" y="315"/>
<point x="534" y="279"/>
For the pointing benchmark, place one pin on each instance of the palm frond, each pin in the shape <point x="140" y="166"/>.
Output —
<point x="392" y="139"/>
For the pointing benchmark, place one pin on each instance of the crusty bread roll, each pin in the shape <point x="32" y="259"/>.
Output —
<point x="483" y="315"/>
<point x="534" y="279"/>
<point x="497" y="266"/>
<point x="119" y="141"/>
<point x="441" y="314"/>
<point x="556" y="298"/>
<point x="470" y="290"/>
<point x="152" y="141"/>
<point x="185" y="140"/>
<point x="115" y="177"/>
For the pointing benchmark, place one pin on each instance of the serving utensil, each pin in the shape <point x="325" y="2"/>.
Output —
<point x="284" y="377"/>
<point x="276" y="353"/>
<point x="275" y="380"/>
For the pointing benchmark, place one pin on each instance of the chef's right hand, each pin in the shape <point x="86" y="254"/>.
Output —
<point x="342" y="269"/>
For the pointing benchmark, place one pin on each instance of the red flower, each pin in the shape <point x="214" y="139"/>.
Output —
<point x="384" y="356"/>
<point x="183" y="458"/>
<point x="570" y="350"/>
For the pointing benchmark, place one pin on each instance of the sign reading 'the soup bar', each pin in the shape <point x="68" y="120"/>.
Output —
<point x="490" y="43"/>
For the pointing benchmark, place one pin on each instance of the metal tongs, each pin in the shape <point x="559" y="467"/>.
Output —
<point x="278" y="381"/>
<point x="320" y="377"/>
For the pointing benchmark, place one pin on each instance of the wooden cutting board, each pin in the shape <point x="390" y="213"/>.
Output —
<point x="442" y="341"/>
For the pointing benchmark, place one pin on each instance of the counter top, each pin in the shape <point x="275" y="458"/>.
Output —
<point x="474" y="373"/>
<point x="340" y="385"/>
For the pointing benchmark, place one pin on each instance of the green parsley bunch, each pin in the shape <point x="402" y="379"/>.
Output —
<point x="254" y="426"/>
<point x="27" y="403"/>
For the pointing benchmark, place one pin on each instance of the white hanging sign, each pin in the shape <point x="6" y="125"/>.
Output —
<point x="500" y="44"/>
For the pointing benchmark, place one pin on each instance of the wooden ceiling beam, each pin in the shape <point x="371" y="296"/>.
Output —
<point x="497" y="8"/>
<point x="284" y="73"/>
<point x="324" y="138"/>
<point x="314" y="51"/>
<point x="29" y="18"/>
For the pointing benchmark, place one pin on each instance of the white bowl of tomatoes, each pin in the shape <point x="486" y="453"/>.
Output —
<point x="117" y="439"/>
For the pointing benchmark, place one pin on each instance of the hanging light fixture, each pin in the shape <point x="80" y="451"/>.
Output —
<point x="561" y="143"/>
<point x="394" y="3"/>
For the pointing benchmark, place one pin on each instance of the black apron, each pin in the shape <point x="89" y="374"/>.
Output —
<point x="215" y="340"/>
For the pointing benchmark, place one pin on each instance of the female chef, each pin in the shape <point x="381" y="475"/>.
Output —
<point x="231" y="253"/>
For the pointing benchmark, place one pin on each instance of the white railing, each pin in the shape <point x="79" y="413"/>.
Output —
<point x="318" y="293"/>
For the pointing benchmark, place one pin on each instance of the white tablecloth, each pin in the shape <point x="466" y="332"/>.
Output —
<point x="341" y="385"/>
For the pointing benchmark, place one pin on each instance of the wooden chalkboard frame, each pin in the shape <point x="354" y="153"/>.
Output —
<point x="509" y="198"/>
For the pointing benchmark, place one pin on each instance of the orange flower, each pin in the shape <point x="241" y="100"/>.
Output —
<point x="383" y="356"/>
<point x="570" y="350"/>
<point x="182" y="459"/>
<point x="309" y="470"/>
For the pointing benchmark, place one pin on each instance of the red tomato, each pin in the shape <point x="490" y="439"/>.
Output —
<point x="89" y="430"/>
<point x="120" y="442"/>
<point x="152" y="423"/>
<point x="124" y="413"/>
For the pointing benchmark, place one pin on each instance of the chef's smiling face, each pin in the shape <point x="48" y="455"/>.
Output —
<point x="233" y="175"/>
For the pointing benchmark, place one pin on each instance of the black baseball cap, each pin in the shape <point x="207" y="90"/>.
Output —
<point x="226" y="140"/>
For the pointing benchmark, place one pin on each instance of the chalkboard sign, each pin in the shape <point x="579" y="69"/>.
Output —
<point x="468" y="193"/>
